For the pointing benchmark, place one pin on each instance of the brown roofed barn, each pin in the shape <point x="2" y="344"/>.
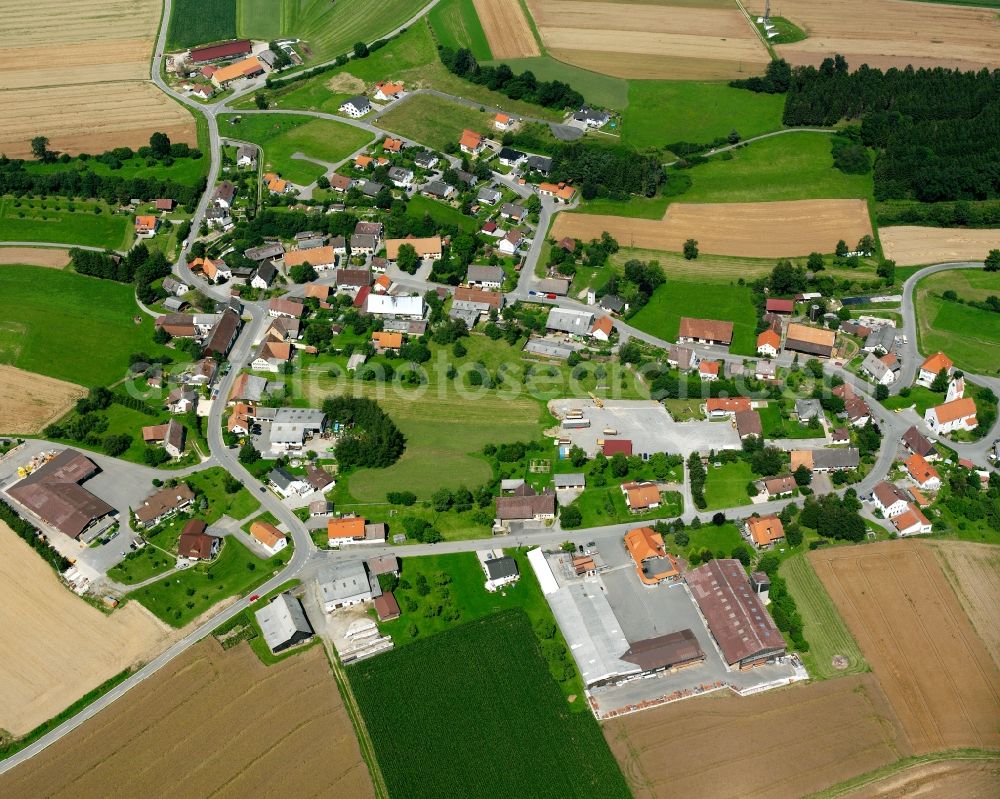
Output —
<point x="705" y="331"/>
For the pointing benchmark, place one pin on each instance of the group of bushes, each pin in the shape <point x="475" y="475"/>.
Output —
<point x="501" y="78"/>
<point x="371" y="438"/>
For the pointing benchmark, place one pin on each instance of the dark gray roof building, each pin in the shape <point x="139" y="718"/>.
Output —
<point x="283" y="622"/>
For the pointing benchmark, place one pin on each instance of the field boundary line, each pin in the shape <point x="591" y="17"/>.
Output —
<point x="901" y="766"/>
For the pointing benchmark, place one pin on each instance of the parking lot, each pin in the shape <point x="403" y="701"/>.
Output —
<point x="647" y="424"/>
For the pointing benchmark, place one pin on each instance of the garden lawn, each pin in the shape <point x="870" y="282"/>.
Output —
<point x="443" y="214"/>
<point x="662" y="314"/>
<point x="597" y="89"/>
<point x="602" y="506"/>
<point x="822" y="625"/>
<point x="794" y="166"/>
<point x="282" y="135"/>
<point x="484" y="684"/>
<point x="70" y="326"/>
<point x="142" y="564"/>
<point x="719" y="539"/>
<point x="434" y="121"/>
<point x="64" y="221"/>
<point x="726" y="486"/>
<point x="211" y="483"/>
<point x="922" y="398"/>
<point x="185" y="595"/>
<point x="970" y="336"/>
<point x="662" y="112"/>
<point x="456" y="25"/>
<point x="201" y="22"/>
<point x="778" y="426"/>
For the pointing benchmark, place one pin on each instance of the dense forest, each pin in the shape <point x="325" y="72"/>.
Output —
<point x="599" y="171"/>
<point x="371" y="439"/>
<point x="501" y="78"/>
<point x="936" y="131"/>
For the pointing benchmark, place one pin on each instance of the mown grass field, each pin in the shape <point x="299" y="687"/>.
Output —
<point x="447" y="422"/>
<point x="793" y="166"/>
<point x="456" y="24"/>
<point x="183" y="170"/>
<point x="183" y="596"/>
<point x="259" y="19"/>
<point x="70" y="326"/>
<point x="484" y="684"/>
<point x="597" y="89"/>
<point x="823" y="627"/>
<point x="970" y="336"/>
<point x="418" y="205"/>
<point x="663" y="112"/>
<point x="601" y="506"/>
<point x="726" y="486"/>
<point x="434" y="121"/>
<point x="661" y="316"/>
<point x="282" y="135"/>
<point x="195" y="22"/>
<point x="720" y="539"/>
<point x="64" y="221"/>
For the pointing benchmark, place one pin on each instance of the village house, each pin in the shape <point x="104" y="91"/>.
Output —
<point x="171" y="436"/>
<point x="922" y="473"/>
<point x="426" y="248"/>
<point x="517" y="213"/>
<point x="280" y="307"/>
<point x="181" y="400"/>
<point x="722" y="407"/>
<point x="287" y="484"/>
<point x="881" y="340"/>
<point x="881" y="368"/>
<point x="930" y="368"/>
<point x="246" y="156"/>
<point x="486" y="277"/>
<point x="527" y="505"/>
<point x="426" y="160"/>
<point x="810" y="340"/>
<point x="704" y="331"/>
<point x="778" y="306"/>
<point x="602" y="329"/>
<point x="395" y="306"/>
<point x="764" y="531"/>
<point x="510" y="157"/>
<point x="511" y="242"/>
<point x="777" y="487"/>
<point x="401" y="178"/>
<point x="469" y="304"/>
<point x="248" y="68"/>
<point x="958" y="414"/>
<point x="283" y="623"/>
<point x="748" y="424"/>
<point x="918" y="444"/>
<point x="652" y="562"/>
<point x="385" y="90"/>
<point x="146" y="226"/>
<point x="438" y="190"/>
<point x="386" y="341"/>
<point x="269" y="537"/>
<point x="641" y="497"/>
<point x="889" y="499"/>
<point x="503" y="122"/>
<point x="574" y="323"/>
<point x="164" y="503"/>
<point x="708" y="371"/>
<point x="224" y="194"/>
<point x="560" y="192"/>
<point x="195" y="543"/>
<point x="471" y="142"/>
<point x="356" y="107"/>
<point x="768" y="344"/>
<point x="911" y="522"/>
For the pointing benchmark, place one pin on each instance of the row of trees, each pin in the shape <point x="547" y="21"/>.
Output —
<point x="501" y="78"/>
<point x="139" y="266"/>
<point x="600" y="171"/>
<point x="31" y="536"/>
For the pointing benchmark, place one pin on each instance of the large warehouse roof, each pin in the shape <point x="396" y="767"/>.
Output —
<point x="735" y="615"/>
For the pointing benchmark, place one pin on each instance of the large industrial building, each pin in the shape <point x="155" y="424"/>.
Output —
<point x="735" y="616"/>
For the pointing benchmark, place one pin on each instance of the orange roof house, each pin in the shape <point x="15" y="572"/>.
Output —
<point x="801" y="457"/>
<point x="936" y="362"/>
<point x="602" y="328"/>
<point x="641" y="496"/>
<point x="339" y="531"/>
<point x="708" y="368"/>
<point x="383" y="283"/>
<point x="769" y="340"/>
<point x="392" y="145"/>
<point x="239" y="419"/>
<point x="726" y="405"/>
<point x="388" y="90"/>
<point x="246" y="68"/>
<point x="502" y="122"/>
<point x="363" y="161"/>
<point x="277" y="185"/>
<point x="267" y="534"/>
<point x="765" y="530"/>
<point x="558" y="190"/>
<point x="471" y="142"/>
<point x="317" y="290"/>
<point x="923" y="474"/>
<point x="387" y="341"/>
<point x="652" y="561"/>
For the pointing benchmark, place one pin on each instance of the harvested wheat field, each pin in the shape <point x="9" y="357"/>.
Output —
<point x="507" y="30"/>
<point x="786" y="742"/>
<point x="55" y="647"/>
<point x="78" y="73"/>
<point x="210" y="723"/>
<point x="974" y="573"/>
<point x="706" y="40"/>
<point x="910" y="245"/>
<point x="754" y="230"/>
<point x="913" y="632"/>
<point x="890" y="33"/>
<point x="29" y="402"/>
<point x="51" y="257"/>
<point x="955" y="779"/>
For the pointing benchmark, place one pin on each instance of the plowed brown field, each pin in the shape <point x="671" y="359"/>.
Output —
<point x="506" y="28"/>
<point x="910" y="245"/>
<point x="954" y="779"/>
<point x="760" y="230"/>
<point x="78" y="73"/>
<point x="787" y="742"/>
<point x="211" y="723"/>
<point x="29" y="402"/>
<point x="890" y="33"/>
<point x="705" y="40"/>
<point x="912" y="629"/>
<point x="52" y="257"/>
<point x="974" y="572"/>
<point x="55" y="647"/>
